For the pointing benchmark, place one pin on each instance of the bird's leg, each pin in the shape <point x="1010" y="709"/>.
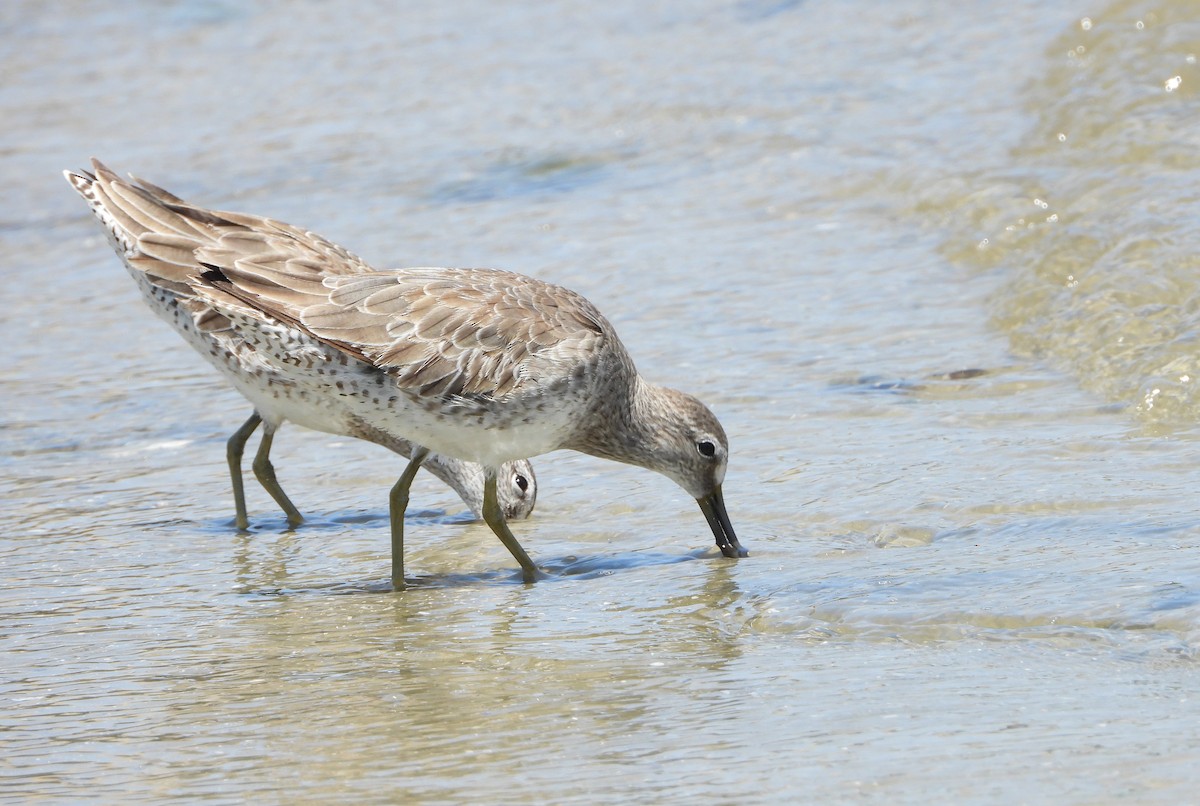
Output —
<point x="233" y="453"/>
<point x="494" y="516"/>
<point x="265" y="472"/>
<point x="397" y="504"/>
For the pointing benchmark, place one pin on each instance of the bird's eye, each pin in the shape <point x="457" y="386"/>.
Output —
<point x="706" y="448"/>
<point x="522" y="482"/>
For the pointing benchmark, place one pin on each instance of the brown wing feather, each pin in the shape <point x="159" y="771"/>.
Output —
<point x="442" y="332"/>
<point x="173" y="238"/>
<point x="449" y="332"/>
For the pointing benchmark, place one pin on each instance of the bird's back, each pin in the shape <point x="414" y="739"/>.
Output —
<point x="157" y="235"/>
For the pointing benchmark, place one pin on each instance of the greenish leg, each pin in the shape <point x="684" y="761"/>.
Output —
<point x="397" y="504"/>
<point x="265" y="472"/>
<point x="493" y="515"/>
<point x="234" y="449"/>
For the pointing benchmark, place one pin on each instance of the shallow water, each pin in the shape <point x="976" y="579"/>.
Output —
<point x="932" y="328"/>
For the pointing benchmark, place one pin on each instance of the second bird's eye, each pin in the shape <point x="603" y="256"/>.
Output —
<point x="706" y="448"/>
<point x="522" y="482"/>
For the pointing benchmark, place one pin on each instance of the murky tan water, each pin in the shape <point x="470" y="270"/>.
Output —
<point x="823" y="218"/>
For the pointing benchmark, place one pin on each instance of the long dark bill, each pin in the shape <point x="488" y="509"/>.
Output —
<point x="713" y="506"/>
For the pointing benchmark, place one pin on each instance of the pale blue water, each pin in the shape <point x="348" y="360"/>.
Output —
<point x="977" y="587"/>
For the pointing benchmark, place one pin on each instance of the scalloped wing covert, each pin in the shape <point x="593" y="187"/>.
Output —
<point x="164" y="236"/>
<point x="449" y="333"/>
<point x="454" y="333"/>
<point x="165" y="233"/>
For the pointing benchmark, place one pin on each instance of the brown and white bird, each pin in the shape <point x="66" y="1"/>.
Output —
<point x="485" y="366"/>
<point x="135" y="212"/>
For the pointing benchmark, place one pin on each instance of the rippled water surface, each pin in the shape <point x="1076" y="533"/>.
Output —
<point x="933" y="266"/>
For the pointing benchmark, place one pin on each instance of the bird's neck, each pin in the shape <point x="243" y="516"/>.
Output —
<point x="626" y="422"/>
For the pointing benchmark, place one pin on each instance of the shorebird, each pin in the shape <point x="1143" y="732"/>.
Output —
<point x="132" y="211"/>
<point x="482" y="365"/>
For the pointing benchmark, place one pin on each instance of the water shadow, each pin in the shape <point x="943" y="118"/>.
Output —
<point x="757" y="10"/>
<point x="560" y="569"/>
<point x="869" y="384"/>
<point x="338" y="521"/>
<point x="519" y="176"/>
